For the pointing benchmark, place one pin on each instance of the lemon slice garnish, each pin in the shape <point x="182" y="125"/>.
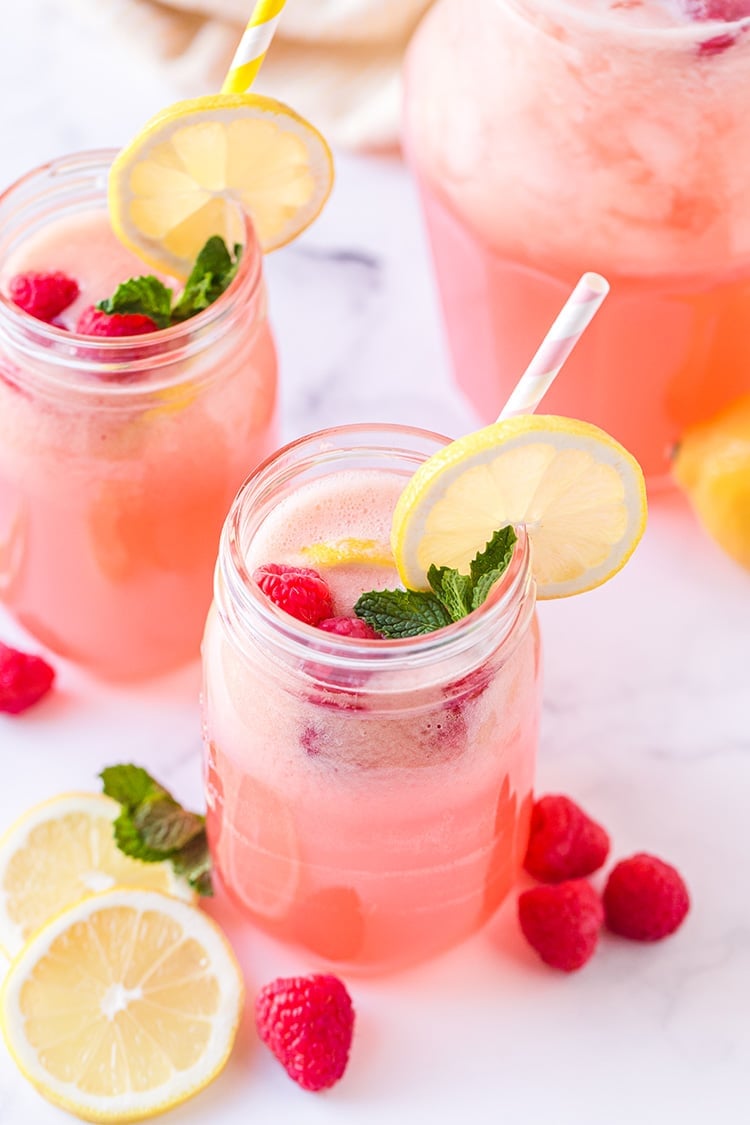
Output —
<point x="123" y="1006"/>
<point x="60" y="852"/>
<point x="198" y="165"/>
<point x="344" y="552"/>
<point x="580" y="495"/>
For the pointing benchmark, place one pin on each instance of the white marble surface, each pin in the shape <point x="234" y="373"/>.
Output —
<point x="646" y="715"/>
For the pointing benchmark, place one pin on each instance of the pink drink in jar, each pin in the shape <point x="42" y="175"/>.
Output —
<point x="119" y="457"/>
<point x="551" y="137"/>
<point x="367" y="800"/>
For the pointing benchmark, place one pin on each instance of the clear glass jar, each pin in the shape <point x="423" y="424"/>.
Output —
<point x="550" y="137"/>
<point x="367" y="800"/>
<point x="119" y="457"/>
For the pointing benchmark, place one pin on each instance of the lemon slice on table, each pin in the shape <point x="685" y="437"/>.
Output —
<point x="123" y="1006"/>
<point x="64" y="850"/>
<point x="580" y="495"/>
<point x="199" y="164"/>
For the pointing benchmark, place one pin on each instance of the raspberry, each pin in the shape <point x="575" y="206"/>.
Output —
<point x="562" y="922"/>
<point x="95" y="322"/>
<point x="645" y="899"/>
<point x="43" y="295"/>
<point x="564" y="842"/>
<point x="296" y="589"/>
<point x="349" y="627"/>
<point x="308" y="1023"/>
<point x="24" y="679"/>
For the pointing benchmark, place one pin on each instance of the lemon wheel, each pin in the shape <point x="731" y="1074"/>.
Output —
<point x="198" y="165"/>
<point x="123" y="1006"/>
<point x="580" y="495"/>
<point x="64" y="850"/>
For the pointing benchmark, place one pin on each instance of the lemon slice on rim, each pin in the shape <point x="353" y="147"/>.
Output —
<point x="198" y="165"/>
<point x="123" y="1006"/>
<point x="580" y="495"/>
<point x="64" y="850"/>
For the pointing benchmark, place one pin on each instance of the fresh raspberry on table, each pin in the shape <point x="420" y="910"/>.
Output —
<point x="645" y="899"/>
<point x="296" y="589"/>
<point x="349" y="627"/>
<point x="96" y="322"/>
<point x="24" y="679"/>
<point x="43" y="295"/>
<point x="562" y="922"/>
<point x="564" y="842"/>
<point x="308" y="1024"/>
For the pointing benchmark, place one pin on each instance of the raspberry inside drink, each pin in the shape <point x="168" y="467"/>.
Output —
<point x="367" y="799"/>
<point x="118" y="457"/>
<point x="553" y="137"/>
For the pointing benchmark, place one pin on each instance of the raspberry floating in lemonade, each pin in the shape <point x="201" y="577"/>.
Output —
<point x="43" y="295"/>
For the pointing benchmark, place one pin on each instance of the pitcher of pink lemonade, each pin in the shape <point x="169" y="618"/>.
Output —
<point x="548" y="136"/>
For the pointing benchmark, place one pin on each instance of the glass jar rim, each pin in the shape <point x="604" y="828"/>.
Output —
<point x="68" y="353"/>
<point x="692" y="32"/>
<point x="242" y="605"/>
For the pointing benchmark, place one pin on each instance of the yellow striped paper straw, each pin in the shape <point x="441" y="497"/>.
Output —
<point x="256" y="39"/>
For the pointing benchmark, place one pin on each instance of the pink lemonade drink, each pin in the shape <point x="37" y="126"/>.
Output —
<point x="119" y="458"/>
<point x="368" y="800"/>
<point x="553" y="137"/>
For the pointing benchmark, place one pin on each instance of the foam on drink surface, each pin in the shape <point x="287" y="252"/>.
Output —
<point x="347" y="505"/>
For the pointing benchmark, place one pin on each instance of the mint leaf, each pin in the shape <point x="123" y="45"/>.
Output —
<point x="146" y="295"/>
<point x="402" y="613"/>
<point x="409" y="613"/>
<point x="165" y="826"/>
<point x="453" y="589"/>
<point x="129" y="785"/>
<point x="194" y="863"/>
<point x="129" y="840"/>
<point x="154" y="827"/>
<point x="495" y="556"/>
<point x="213" y="272"/>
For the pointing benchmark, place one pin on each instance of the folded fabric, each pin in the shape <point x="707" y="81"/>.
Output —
<point x="338" y="62"/>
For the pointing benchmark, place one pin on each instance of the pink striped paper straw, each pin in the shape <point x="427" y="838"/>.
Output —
<point x="572" y="321"/>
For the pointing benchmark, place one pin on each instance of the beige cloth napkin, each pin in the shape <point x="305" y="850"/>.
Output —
<point x="338" y="62"/>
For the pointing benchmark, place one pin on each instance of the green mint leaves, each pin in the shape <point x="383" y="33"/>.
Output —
<point x="152" y="826"/>
<point x="144" y="295"/>
<point x="409" y="613"/>
<point x="402" y="613"/>
<point x="213" y="272"/>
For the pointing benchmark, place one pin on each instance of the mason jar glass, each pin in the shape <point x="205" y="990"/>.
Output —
<point x="119" y="458"/>
<point x="551" y="137"/>
<point x="368" y="800"/>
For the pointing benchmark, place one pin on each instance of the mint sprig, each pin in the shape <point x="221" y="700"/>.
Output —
<point x="153" y="826"/>
<point x="214" y="270"/>
<point x="408" y="613"/>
